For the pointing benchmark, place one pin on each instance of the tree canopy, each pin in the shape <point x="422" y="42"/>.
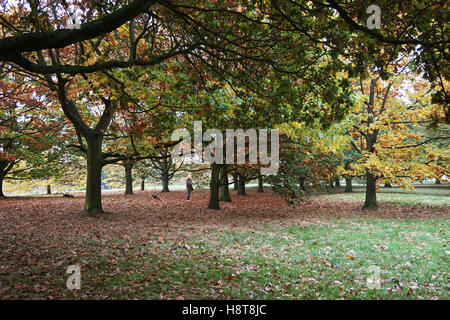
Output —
<point x="133" y="72"/>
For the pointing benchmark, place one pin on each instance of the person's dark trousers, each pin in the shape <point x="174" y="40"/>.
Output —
<point x="189" y="194"/>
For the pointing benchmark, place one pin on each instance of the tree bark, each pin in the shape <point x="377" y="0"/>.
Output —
<point x="49" y="189"/>
<point x="5" y="167"/>
<point x="337" y="182"/>
<point x="371" y="192"/>
<point x="93" y="201"/>
<point x="235" y="181"/>
<point x="438" y="181"/>
<point x="2" y="177"/>
<point x="348" y="185"/>
<point x="128" y="177"/>
<point x="142" y="184"/>
<point x="260" y="184"/>
<point x="29" y="42"/>
<point x="224" y="189"/>
<point x="331" y="184"/>
<point x="165" y="181"/>
<point x="302" y="183"/>
<point x="214" y="187"/>
<point x="241" y="186"/>
<point x="165" y="175"/>
<point x="371" y="140"/>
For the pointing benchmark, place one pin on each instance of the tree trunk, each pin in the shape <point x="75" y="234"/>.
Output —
<point x="142" y="184"/>
<point x="331" y="184"/>
<point x="438" y="181"/>
<point x="337" y="182"/>
<point x="302" y="183"/>
<point x="224" y="189"/>
<point x="260" y="184"/>
<point x="5" y="167"/>
<point x="2" y="177"/>
<point x="348" y="185"/>
<point x="128" y="177"/>
<point x="241" y="186"/>
<point x="93" y="201"/>
<point x="214" y="187"/>
<point x="49" y="189"/>
<point x="165" y="175"/>
<point x="387" y="185"/>
<point x="235" y="181"/>
<point x="165" y="181"/>
<point x="371" y="192"/>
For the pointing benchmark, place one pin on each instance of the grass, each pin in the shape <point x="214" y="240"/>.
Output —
<point x="304" y="257"/>
<point x="329" y="261"/>
<point x="419" y="196"/>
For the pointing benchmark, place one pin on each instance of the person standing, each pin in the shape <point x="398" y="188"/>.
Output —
<point x="189" y="187"/>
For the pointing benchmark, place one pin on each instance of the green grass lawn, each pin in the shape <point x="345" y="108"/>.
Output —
<point x="418" y="196"/>
<point x="329" y="261"/>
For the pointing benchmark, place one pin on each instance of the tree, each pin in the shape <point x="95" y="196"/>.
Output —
<point x="350" y="156"/>
<point x="241" y="182"/>
<point x="143" y="171"/>
<point x="417" y="29"/>
<point x="260" y="183"/>
<point x="235" y="181"/>
<point x="13" y="46"/>
<point x="32" y="133"/>
<point x="239" y="43"/>
<point x="386" y="132"/>
<point x="42" y="26"/>
<point x="309" y="157"/>
<point x="224" y="184"/>
<point x="164" y="168"/>
<point x="147" y="40"/>
<point x="128" y="165"/>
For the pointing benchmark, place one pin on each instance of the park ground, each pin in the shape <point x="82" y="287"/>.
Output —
<point x="255" y="247"/>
